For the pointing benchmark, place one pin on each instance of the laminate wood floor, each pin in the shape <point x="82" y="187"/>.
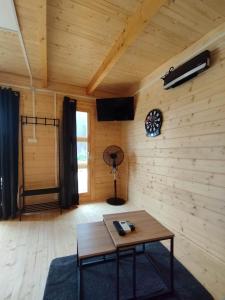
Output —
<point x="28" y="247"/>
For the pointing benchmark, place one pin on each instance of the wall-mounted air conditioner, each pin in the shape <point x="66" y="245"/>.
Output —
<point x="187" y="71"/>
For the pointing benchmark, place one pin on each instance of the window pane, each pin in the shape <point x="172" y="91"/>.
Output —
<point x="82" y="152"/>
<point x="82" y="180"/>
<point x="82" y="130"/>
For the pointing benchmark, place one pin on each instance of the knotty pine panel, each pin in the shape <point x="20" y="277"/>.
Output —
<point x="179" y="176"/>
<point x="106" y="134"/>
<point x="40" y="163"/>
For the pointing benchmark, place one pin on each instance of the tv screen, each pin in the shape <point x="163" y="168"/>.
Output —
<point x="115" y="109"/>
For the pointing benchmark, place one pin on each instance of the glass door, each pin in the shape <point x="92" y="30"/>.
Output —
<point x="83" y="152"/>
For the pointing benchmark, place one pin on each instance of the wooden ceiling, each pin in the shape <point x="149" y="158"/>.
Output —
<point x="106" y="45"/>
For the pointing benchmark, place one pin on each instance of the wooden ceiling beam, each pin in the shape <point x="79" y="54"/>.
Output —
<point x="133" y="27"/>
<point x="43" y="43"/>
<point x="20" y="81"/>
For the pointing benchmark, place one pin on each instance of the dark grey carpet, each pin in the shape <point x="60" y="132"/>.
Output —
<point x="99" y="280"/>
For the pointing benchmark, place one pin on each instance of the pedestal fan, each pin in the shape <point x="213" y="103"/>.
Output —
<point x="113" y="156"/>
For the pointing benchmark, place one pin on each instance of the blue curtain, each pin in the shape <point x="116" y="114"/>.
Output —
<point x="9" y="132"/>
<point x="69" y="180"/>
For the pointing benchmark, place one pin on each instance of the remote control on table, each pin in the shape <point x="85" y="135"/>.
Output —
<point x="119" y="228"/>
<point x="125" y="226"/>
<point x="131" y="225"/>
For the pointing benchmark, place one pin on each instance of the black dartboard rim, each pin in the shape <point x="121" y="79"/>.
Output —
<point x="153" y="122"/>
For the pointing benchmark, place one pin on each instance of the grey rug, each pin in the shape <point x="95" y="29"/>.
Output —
<point x="100" y="283"/>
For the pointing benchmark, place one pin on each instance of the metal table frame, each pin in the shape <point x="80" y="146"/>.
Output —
<point x="169" y="284"/>
<point x="81" y="265"/>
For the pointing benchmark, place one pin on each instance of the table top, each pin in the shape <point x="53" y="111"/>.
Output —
<point x="147" y="228"/>
<point x="93" y="239"/>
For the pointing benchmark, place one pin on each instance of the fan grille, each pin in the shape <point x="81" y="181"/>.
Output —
<point x="113" y="156"/>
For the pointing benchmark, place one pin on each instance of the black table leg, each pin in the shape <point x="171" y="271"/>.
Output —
<point x="134" y="273"/>
<point x="171" y="266"/>
<point x="117" y="275"/>
<point x="77" y="257"/>
<point x="81" y="280"/>
<point x="143" y="248"/>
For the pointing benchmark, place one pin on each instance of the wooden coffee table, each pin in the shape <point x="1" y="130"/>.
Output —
<point x="93" y="240"/>
<point x="147" y="230"/>
<point x="101" y="238"/>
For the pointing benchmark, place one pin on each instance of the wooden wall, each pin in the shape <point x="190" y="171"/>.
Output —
<point x="106" y="133"/>
<point x="179" y="176"/>
<point x="40" y="163"/>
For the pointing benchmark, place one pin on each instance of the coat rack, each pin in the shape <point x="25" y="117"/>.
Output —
<point x="24" y="192"/>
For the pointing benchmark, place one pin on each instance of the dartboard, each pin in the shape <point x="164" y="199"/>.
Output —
<point x="153" y="122"/>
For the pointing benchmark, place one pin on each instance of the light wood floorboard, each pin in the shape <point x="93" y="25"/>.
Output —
<point x="27" y="247"/>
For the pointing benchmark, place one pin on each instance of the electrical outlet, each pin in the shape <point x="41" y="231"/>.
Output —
<point x="32" y="141"/>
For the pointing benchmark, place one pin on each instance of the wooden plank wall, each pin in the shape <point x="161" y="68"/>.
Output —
<point x="179" y="176"/>
<point x="106" y="134"/>
<point x="40" y="163"/>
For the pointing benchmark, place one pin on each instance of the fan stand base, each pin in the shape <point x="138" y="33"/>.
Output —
<point x="116" y="201"/>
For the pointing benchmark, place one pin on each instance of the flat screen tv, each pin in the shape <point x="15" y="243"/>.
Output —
<point x="115" y="109"/>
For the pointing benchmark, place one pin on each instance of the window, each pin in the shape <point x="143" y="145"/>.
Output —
<point x="83" y="151"/>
